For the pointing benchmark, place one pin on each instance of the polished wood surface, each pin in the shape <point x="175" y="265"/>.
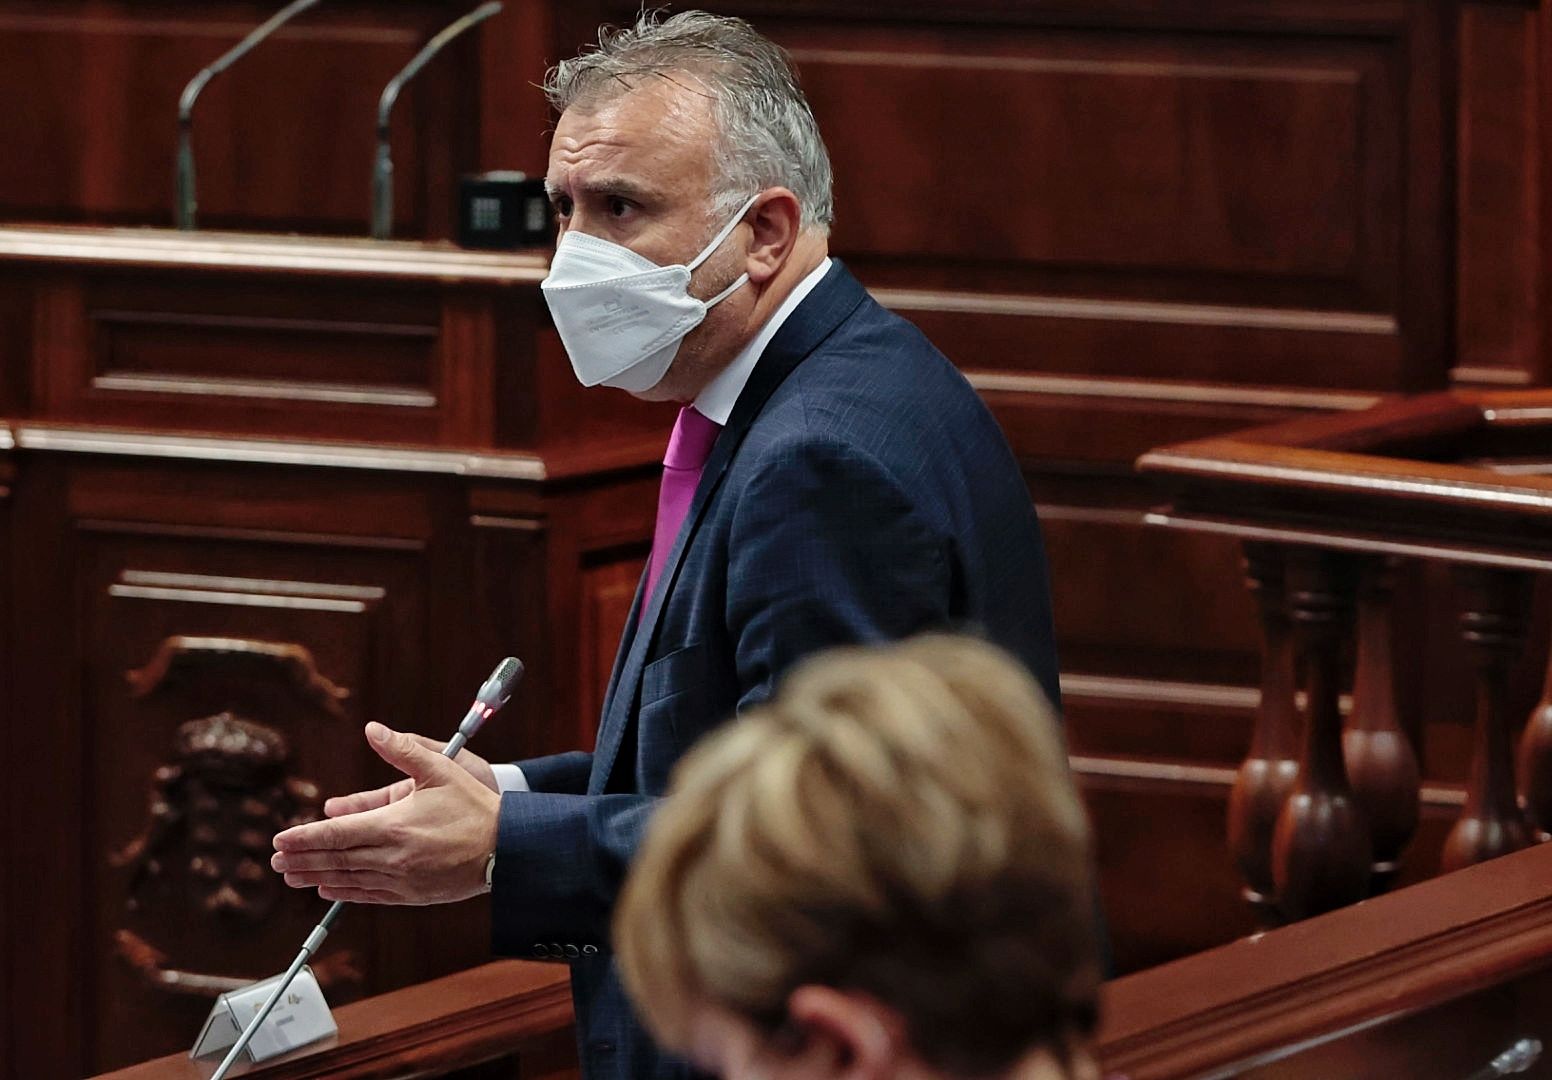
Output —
<point x="1322" y="848"/>
<point x="1378" y="753"/>
<point x="1459" y="479"/>
<point x="511" y="1016"/>
<point x="239" y="469"/>
<point x="1432" y="981"/>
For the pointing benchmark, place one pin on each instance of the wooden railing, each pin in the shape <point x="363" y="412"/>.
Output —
<point x="512" y="1016"/>
<point x="1327" y="508"/>
<point x="1430" y="982"/>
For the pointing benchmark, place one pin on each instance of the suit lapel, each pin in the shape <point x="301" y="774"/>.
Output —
<point x="824" y="309"/>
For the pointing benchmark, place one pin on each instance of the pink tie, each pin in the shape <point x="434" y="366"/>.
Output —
<point x="688" y="448"/>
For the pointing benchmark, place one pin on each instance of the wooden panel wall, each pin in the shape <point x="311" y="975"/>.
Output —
<point x="200" y="630"/>
<point x="1501" y="290"/>
<point x="284" y="140"/>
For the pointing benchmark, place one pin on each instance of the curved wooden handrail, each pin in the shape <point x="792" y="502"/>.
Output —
<point x="1211" y="1014"/>
<point x="430" y="1029"/>
<point x="1225" y="1010"/>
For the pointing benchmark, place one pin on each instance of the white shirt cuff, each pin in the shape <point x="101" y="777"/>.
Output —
<point x="510" y="778"/>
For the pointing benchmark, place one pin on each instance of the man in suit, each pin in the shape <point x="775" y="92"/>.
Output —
<point x="831" y="479"/>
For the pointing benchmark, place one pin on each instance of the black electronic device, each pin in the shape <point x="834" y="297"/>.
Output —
<point x="503" y="210"/>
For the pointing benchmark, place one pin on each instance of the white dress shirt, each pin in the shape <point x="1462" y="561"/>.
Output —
<point x="715" y="403"/>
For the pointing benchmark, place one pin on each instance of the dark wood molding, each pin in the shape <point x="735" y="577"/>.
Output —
<point x="143" y="444"/>
<point x="217" y="252"/>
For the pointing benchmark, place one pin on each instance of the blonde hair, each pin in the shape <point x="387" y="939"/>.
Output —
<point x="898" y="821"/>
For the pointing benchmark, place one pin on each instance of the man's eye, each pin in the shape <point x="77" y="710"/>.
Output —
<point x="618" y="207"/>
<point x="562" y="206"/>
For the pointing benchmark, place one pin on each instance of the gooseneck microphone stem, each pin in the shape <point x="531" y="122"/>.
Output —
<point x="382" y="169"/>
<point x="187" y="202"/>
<point x="495" y="693"/>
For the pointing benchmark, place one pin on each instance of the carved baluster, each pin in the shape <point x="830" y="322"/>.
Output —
<point x="1493" y="624"/>
<point x="1269" y="770"/>
<point x="1381" y="764"/>
<point x="1321" y="853"/>
<point x="1535" y="761"/>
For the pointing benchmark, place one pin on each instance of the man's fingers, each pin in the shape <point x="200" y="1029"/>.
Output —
<point x="406" y="754"/>
<point x="356" y="860"/>
<point x="331" y="834"/>
<point x="347" y="879"/>
<point x="359" y="896"/>
<point x="344" y="805"/>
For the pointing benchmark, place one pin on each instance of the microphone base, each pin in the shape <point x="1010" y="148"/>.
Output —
<point x="299" y="1019"/>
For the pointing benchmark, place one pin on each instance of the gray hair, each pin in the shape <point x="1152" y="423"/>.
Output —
<point x="768" y="136"/>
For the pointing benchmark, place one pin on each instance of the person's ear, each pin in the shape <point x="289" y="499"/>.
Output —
<point x="847" y="1036"/>
<point x="775" y="220"/>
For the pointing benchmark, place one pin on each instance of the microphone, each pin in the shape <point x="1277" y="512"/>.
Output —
<point x="185" y="182"/>
<point x="382" y="170"/>
<point x="496" y="692"/>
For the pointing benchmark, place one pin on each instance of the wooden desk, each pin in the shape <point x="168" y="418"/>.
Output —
<point x="1428" y="983"/>
<point x="254" y="492"/>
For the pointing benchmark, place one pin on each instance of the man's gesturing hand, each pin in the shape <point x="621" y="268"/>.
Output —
<point x="423" y="840"/>
<point x="472" y="763"/>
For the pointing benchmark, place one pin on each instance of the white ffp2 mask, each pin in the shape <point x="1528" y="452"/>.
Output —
<point x="620" y="315"/>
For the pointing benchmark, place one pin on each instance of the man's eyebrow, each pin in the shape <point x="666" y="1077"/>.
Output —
<point x="609" y="187"/>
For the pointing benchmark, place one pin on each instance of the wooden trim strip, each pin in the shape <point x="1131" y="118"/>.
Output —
<point x="1107" y="67"/>
<point x="235" y="599"/>
<point x="1161" y="390"/>
<point x="1365" y="543"/>
<point x="1146" y="311"/>
<point x="1255" y="465"/>
<point x="399" y="397"/>
<point x="323" y="455"/>
<point x="1161" y="691"/>
<point x="1187" y="774"/>
<point x="209" y="583"/>
<point x="214" y="251"/>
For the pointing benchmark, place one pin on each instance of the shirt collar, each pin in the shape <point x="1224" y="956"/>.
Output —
<point x="721" y="394"/>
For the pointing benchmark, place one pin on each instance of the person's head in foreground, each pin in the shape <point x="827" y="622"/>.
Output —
<point x="884" y="872"/>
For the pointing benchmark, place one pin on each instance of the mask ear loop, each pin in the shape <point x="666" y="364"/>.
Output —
<point x="727" y="230"/>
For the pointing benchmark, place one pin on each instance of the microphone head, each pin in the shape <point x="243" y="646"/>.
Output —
<point x="497" y="690"/>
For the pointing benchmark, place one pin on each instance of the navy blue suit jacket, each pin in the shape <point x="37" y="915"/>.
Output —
<point x="860" y="492"/>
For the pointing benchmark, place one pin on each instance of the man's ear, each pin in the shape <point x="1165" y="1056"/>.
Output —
<point x="775" y="219"/>
<point x="849" y="1036"/>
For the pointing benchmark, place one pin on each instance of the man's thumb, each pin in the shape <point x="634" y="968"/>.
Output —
<point x="404" y="753"/>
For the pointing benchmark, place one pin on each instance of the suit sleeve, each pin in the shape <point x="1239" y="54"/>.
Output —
<point x="564" y="774"/>
<point x="826" y="549"/>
